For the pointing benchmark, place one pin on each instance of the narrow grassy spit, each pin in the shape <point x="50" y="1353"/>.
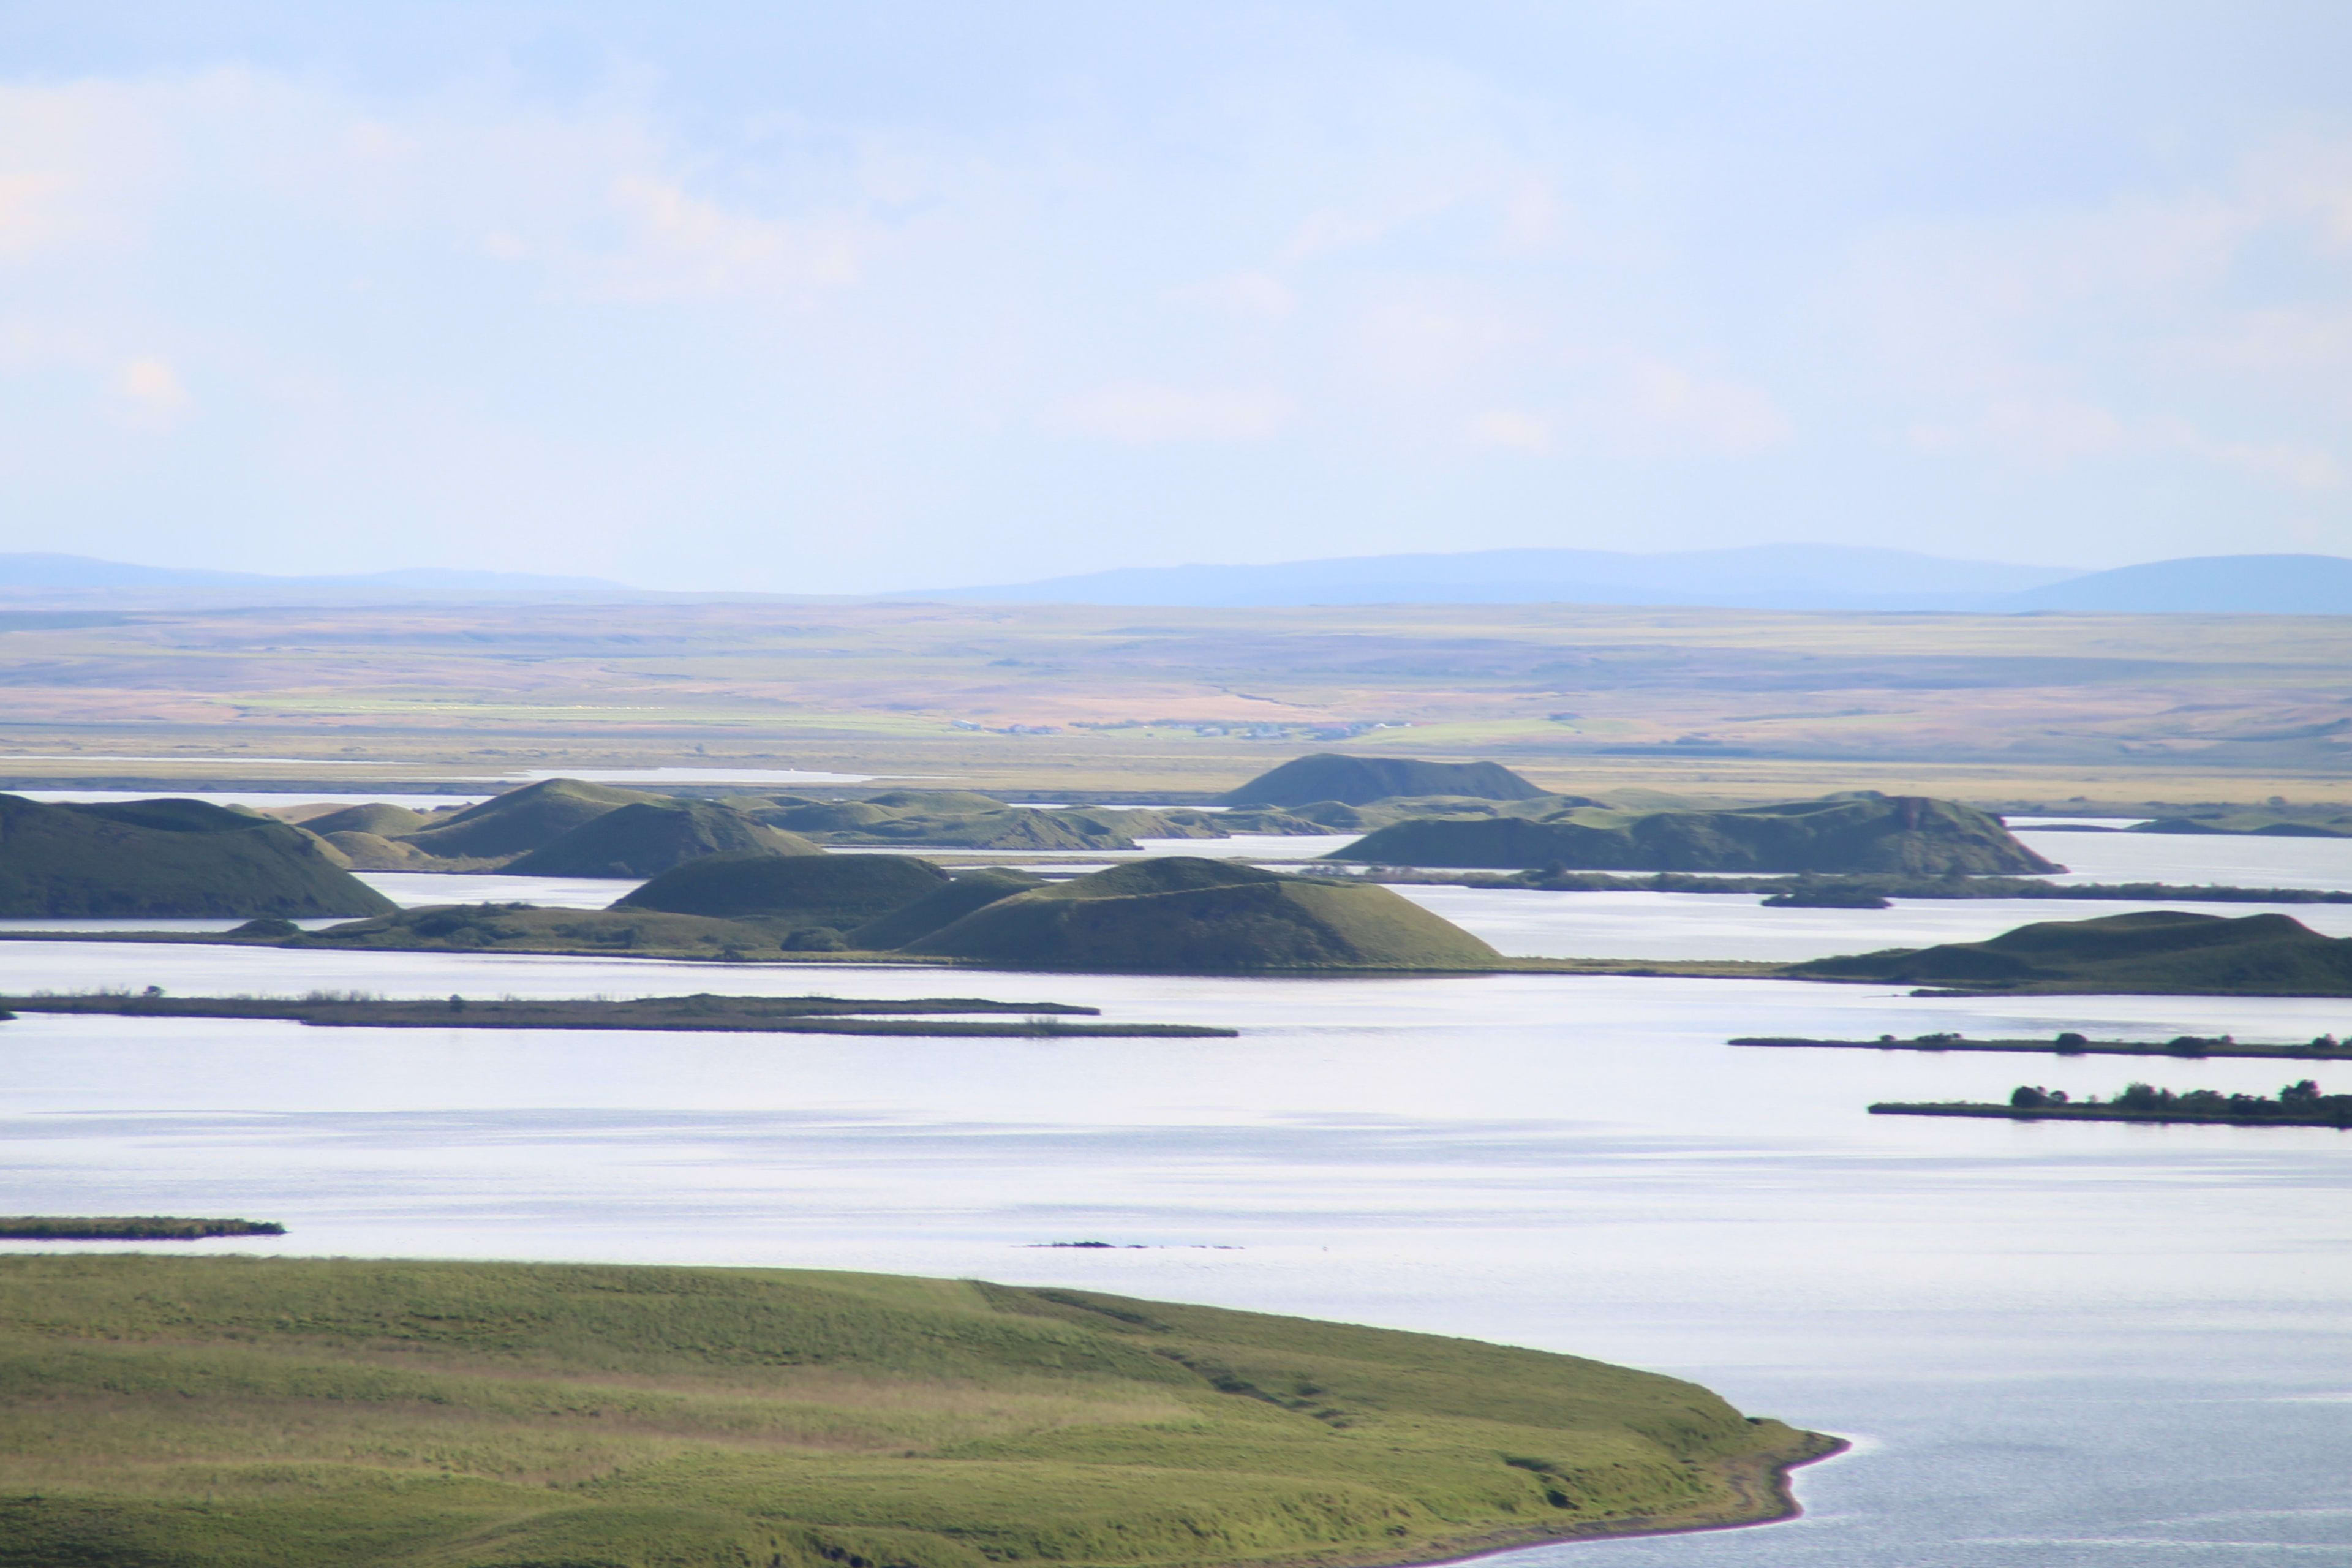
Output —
<point x="702" y="1012"/>
<point x="128" y="1227"/>
<point x="268" y="1412"/>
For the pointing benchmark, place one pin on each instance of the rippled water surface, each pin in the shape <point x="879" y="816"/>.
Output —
<point x="2054" y="1345"/>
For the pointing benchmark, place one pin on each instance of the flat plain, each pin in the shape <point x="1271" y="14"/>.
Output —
<point x="2015" y="710"/>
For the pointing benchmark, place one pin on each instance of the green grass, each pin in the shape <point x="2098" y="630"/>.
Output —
<point x="269" y="1413"/>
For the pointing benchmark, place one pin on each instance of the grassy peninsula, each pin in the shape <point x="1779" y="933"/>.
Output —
<point x="700" y="1013"/>
<point x="281" y="1413"/>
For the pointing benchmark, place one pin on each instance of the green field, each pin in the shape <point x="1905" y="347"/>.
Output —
<point x="300" y="1413"/>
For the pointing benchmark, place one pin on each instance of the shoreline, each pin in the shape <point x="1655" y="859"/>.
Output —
<point x="1760" y="1481"/>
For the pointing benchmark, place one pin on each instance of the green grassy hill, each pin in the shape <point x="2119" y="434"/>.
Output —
<point x="522" y="928"/>
<point x="2250" y="825"/>
<point x="2157" y="951"/>
<point x="839" y="891"/>
<point x="648" y="837"/>
<point x="279" y="1413"/>
<point x="379" y="817"/>
<point x="1358" y="781"/>
<point x="959" y="819"/>
<point x="522" y="819"/>
<point x="940" y="907"/>
<point x="1182" y="915"/>
<point x="1909" y="834"/>
<point x="167" y="858"/>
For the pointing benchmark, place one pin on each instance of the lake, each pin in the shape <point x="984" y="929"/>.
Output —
<point x="2052" y="1344"/>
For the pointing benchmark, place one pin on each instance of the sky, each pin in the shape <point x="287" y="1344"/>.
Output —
<point x="837" y="298"/>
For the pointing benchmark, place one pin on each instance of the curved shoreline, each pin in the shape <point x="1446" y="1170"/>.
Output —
<point x="1762" y="1480"/>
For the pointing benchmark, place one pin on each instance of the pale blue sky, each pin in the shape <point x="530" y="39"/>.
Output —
<point x="835" y="298"/>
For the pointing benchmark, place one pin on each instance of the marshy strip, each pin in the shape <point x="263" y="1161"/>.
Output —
<point x="2324" y="1048"/>
<point x="702" y="1012"/>
<point x="127" y="1227"/>
<point x="2198" y="1106"/>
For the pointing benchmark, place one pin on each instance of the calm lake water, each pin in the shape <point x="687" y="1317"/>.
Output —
<point x="2054" y="1345"/>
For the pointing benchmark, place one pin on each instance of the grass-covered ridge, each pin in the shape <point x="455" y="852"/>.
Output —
<point x="167" y="858"/>
<point x="1856" y="832"/>
<point x="2150" y="952"/>
<point x="275" y="1413"/>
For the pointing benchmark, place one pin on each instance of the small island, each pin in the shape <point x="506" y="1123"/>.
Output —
<point x="128" y="1227"/>
<point x="701" y="1011"/>
<point x="399" y="1414"/>
<point x="2324" y="1048"/>
<point x="2299" y="1104"/>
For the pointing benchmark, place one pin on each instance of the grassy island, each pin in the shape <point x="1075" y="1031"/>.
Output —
<point x="281" y="1413"/>
<point x="2326" y="1047"/>
<point x="703" y="1011"/>
<point x="2167" y="952"/>
<point x="2297" y="1105"/>
<point x="128" y="1227"/>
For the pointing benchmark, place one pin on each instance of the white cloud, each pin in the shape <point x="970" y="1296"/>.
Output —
<point x="28" y="216"/>
<point x="1512" y="428"/>
<point x="1143" y="414"/>
<point x="155" y="389"/>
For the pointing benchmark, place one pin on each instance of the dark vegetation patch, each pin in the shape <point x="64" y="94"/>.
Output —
<point x="2299" y="1104"/>
<point x="128" y="1227"/>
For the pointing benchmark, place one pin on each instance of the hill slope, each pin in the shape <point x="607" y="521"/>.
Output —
<point x="837" y="891"/>
<point x="1863" y="832"/>
<point x="167" y="858"/>
<point x="1359" y="780"/>
<point x="522" y="819"/>
<point x="2156" y="952"/>
<point x="2207" y="584"/>
<point x="270" y="1412"/>
<point x="1177" y="915"/>
<point x="940" y="907"/>
<point x="648" y="837"/>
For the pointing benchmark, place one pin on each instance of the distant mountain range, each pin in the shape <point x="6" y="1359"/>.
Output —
<point x="1761" y="578"/>
<point x="85" y="576"/>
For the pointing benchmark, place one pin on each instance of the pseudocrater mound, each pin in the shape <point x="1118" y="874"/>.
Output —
<point x="1181" y="915"/>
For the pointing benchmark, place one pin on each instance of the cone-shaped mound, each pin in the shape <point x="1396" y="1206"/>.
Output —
<point x="167" y="858"/>
<point x="523" y="819"/>
<point x="1359" y="780"/>
<point x="648" y="839"/>
<point x="837" y="891"/>
<point x="2152" y="952"/>
<point x="1212" y="918"/>
<point x="1910" y="835"/>
<point x="379" y="817"/>
<point x="939" y="908"/>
